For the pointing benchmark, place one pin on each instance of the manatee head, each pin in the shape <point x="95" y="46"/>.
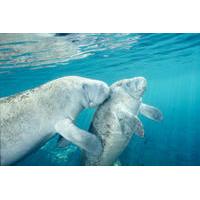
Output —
<point x="135" y="87"/>
<point x="95" y="92"/>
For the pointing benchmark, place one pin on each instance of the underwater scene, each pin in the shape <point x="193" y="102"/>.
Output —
<point x="163" y="69"/>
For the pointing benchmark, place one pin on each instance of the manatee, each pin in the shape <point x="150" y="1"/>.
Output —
<point x="116" y="120"/>
<point x="29" y="119"/>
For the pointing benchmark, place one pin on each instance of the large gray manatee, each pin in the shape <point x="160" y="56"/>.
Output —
<point x="29" y="119"/>
<point x="116" y="120"/>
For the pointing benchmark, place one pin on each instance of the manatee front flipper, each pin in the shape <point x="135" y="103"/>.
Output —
<point x="139" y="130"/>
<point x="81" y="138"/>
<point x="130" y="123"/>
<point x="62" y="142"/>
<point x="151" y="112"/>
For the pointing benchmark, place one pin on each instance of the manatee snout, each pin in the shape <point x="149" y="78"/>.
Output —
<point x="137" y="86"/>
<point x="95" y="93"/>
<point x="141" y="84"/>
<point x="102" y="93"/>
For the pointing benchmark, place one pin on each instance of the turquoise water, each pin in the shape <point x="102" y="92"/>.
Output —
<point x="170" y="63"/>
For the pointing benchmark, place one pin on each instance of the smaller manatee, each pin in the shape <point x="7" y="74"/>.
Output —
<point x="116" y="120"/>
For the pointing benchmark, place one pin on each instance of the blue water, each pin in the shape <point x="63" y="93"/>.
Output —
<point x="170" y="63"/>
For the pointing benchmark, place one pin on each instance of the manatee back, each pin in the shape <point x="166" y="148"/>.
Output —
<point x="106" y="127"/>
<point x="100" y="127"/>
<point x="113" y="126"/>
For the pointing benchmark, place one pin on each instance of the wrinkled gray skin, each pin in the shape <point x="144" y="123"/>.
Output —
<point x="28" y="119"/>
<point x="116" y="120"/>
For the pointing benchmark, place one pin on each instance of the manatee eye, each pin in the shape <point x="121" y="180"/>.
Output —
<point x="136" y="84"/>
<point x="85" y="87"/>
<point x="128" y="84"/>
<point x="86" y="91"/>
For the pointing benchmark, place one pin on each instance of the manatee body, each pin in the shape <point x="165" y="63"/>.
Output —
<point x="116" y="120"/>
<point x="29" y="119"/>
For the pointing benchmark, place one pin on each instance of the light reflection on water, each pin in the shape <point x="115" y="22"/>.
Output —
<point x="46" y="50"/>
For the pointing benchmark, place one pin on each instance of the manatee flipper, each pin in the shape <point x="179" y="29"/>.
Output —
<point x="81" y="138"/>
<point x="62" y="142"/>
<point x="126" y="120"/>
<point x="151" y="112"/>
<point x="139" y="130"/>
